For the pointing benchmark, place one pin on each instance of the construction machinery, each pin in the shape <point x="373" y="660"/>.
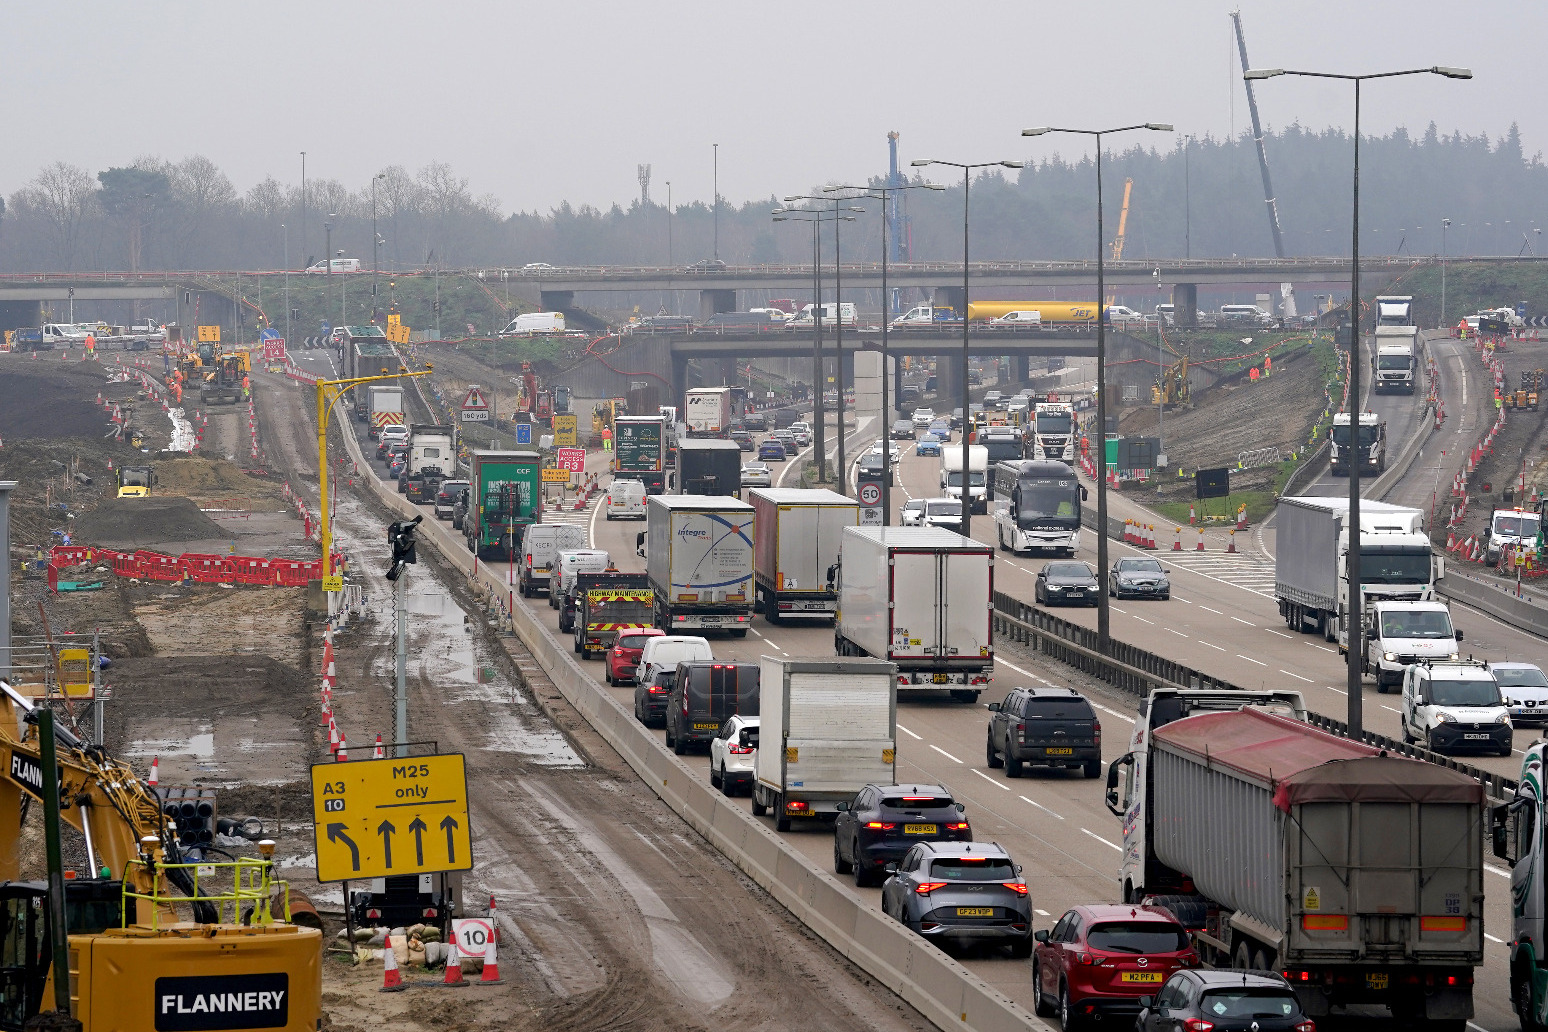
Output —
<point x="1171" y="389"/>
<point x="605" y="415"/>
<point x="1526" y="396"/>
<point x="223" y="381"/>
<point x="135" y="481"/>
<point x="154" y="942"/>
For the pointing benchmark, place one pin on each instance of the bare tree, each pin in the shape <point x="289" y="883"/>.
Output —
<point x="64" y="196"/>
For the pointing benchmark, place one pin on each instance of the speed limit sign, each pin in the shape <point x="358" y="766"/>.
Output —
<point x="870" y="493"/>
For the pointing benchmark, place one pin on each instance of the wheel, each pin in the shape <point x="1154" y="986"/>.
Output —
<point x="639" y="711"/>
<point x="782" y="823"/>
<point x="1013" y="764"/>
<point x="1067" y="1017"/>
<point x="1408" y="739"/>
<point x="1021" y="950"/>
<point x="679" y="746"/>
<point x="991" y="758"/>
<point x="667" y="724"/>
<point x="717" y="779"/>
<point x="1039" y="1002"/>
<point x="607" y="675"/>
<point x="526" y="590"/>
<point x="1521" y="999"/>
<point x="840" y="865"/>
<point x="1092" y="769"/>
<point x="999" y="536"/>
<point x="577" y="646"/>
<point x="758" y="808"/>
<point x="862" y="876"/>
<point x="1381" y="686"/>
<point x="1241" y="959"/>
<point x="1260" y="961"/>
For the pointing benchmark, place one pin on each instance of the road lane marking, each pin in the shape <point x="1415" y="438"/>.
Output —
<point x="1324" y="648"/>
<point x="1389" y="709"/>
<point x="1041" y="913"/>
<point x="1215" y="647"/>
<point x="1125" y="612"/>
<point x="1497" y="870"/>
<point x="1141" y="619"/>
<point x="1251" y="660"/>
<point x="946" y="754"/>
<point x="1180" y="634"/>
<point x="1209" y="610"/>
<point x="1102" y="840"/>
<point x="1181" y="599"/>
<point x="1298" y="677"/>
<point x="766" y="638"/>
<point x="1339" y="690"/>
<point x="1040" y="806"/>
<point x="991" y="781"/>
<point x="1120" y="716"/>
<point x="910" y="734"/>
<point x="1282" y="634"/>
<point x="1249" y="623"/>
<point x="1491" y="939"/>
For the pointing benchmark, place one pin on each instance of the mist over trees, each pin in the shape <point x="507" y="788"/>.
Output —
<point x="1201" y="198"/>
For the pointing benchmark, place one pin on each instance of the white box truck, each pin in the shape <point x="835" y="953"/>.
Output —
<point x="698" y="551"/>
<point x="978" y="474"/>
<point x="707" y="411"/>
<point x="798" y="533"/>
<point x="386" y="408"/>
<point x="918" y="597"/>
<point x="1397" y="359"/>
<point x="827" y="729"/>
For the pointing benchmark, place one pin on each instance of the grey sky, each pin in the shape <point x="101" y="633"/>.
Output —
<point x="542" y="102"/>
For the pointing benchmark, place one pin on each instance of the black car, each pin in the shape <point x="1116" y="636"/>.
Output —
<point x="883" y="821"/>
<point x="902" y="430"/>
<point x="1054" y="727"/>
<point x="1223" y="1001"/>
<point x="1066" y="584"/>
<point x="446" y="498"/>
<point x="743" y="439"/>
<point x="650" y="700"/>
<point x="1139" y="577"/>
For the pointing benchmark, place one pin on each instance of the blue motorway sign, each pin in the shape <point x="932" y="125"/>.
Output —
<point x="523" y="433"/>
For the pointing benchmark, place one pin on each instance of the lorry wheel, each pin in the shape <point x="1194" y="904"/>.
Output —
<point x="1521" y="999"/>
<point x="991" y="758"/>
<point x="782" y="823"/>
<point x="758" y="808"/>
<point x="1241" y="959"/>
<point x="1013" y="764"/>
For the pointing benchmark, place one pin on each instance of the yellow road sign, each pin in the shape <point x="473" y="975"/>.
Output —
<point x="209" y="334"/>
<point x="556" y="476"/>
<point x="564" y="431"/>
<point x="334" y="583"/>
<point x="385" y="817"/>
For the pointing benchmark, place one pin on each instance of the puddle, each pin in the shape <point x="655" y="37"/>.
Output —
<point x="201" y="746"/>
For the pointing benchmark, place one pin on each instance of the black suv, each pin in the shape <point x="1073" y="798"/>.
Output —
<point x="1055" y="727"/>
<point x="883" y="821"/>
<point x="1227" y="1001"/>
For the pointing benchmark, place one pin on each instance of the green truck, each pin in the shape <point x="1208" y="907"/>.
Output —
<point x="639" y="451"/>
<point x="505" y="498"/>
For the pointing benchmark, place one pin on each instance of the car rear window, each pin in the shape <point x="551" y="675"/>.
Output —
<point x="1137" y="937"/>
<point x="973" y="868"/>
<point x="1070" y="709"/>
<point x="920" y="802"/>
<point x="1266" y="1002"/>
<point x="634" y="641"/>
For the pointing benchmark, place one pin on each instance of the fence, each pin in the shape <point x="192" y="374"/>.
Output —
<point x="195" y="567"/>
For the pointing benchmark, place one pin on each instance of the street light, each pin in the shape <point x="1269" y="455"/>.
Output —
<point x="882" y="193"/>
<point x="286" y="230"/>
<point x="1353" y="609"/>
<point x="327" y="258"/>
<point x="1445" y="225"/>
<point x="376" y="265"/>
<point x="1104" y="616"/>
<point x="967" y="411"/>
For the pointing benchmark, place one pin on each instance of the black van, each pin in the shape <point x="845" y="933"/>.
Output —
<point x="703" y="696"/>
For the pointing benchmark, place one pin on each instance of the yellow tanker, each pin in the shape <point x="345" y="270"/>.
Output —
<point x="1049" y="311"/>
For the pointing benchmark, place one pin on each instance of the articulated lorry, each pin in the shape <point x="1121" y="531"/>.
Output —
<point x="1394" y="310"/>
<point x="827" y="728"/>
<point x="1357" y="874"/>
<point x="797" y="535"/>
<point x="918" y="597"/>
<point x="1397" y="359"/>
<point x="1053" y="431"/>
<point x="432" y="458"/>
<point x="1369" y="455"/>
<point x="709" y="467"/>
<point x="699" y="554"/>
<point x="707" y="411"/>
<point x="639" y="451"/>
<point x="1520" y="833"/>
<point x="504" y="499"/>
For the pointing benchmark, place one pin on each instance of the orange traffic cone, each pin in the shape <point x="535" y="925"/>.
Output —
<point x="333" y="735"/>
<point x="1177" y="539"/>
<point x="454" y="979"/>
<point x="1231" y="541"/>
<point x="377" y="754"/>
<point x="342" y="756"/>
<point x="494" y="920"/>
<point x="155" y="774"/>
<point x="491" y="975"/>
<point x="392" y="979"/>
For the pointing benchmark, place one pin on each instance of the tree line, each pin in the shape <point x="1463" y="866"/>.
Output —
<point x="1201" y="198"/>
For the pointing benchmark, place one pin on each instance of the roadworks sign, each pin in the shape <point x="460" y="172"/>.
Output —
<point x="376" y="818"/>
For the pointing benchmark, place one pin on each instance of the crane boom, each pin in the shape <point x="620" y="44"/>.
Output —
<point x="1257" y="136"/>
<point x="1123" y="221"/>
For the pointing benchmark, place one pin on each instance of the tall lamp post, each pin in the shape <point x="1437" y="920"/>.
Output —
<point x="1104" y="616"/>
<point x="884" y="194"/>
<point x="286" y="230"/>
<point x="967" y="411"/>
<point x="1353" y="608"/>
<point x="376" y="263"/>
<point x="327" y="258"/>
<point x="1445" y="225"/>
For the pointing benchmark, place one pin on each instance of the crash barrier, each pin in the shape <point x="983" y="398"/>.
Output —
<point x="1137" y="671"/>
<point x="945" y="992"/>
<point x="195" y="567"/>
<point x="1516" y="610"/>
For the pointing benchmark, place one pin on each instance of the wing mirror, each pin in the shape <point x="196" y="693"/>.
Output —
<point x="994" y="707"/>
<point x="1041" y="936"/>
<point x="1459" y="636"/>
<point x="843" y="806"/>
<point x="891" y="868"/>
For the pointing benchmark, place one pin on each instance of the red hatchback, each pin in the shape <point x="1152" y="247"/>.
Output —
<point x="624" y="656"/>
<point x="1101" y="958"/>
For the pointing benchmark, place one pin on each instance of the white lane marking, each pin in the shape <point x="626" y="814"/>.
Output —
<point x="1249" y="623"/>
<point x="1041" y="913"/>
<point x="991" y="781"/>
<point x="1180" y="634"/>
<point x="591" y="525"/>
<point x="1251" y="660"/>
<point x="1497" y="870"/>
<point x="1324" y="648"/>
<point x="1282" y="634"/>
<point x="1339" y="690"/>
<point x="1102" y="840"/>
<point x="1040" y="806"/>
<point x="1141" y="619"/>
<point x="1491" y="939"/>
<point x="1298" y="677"/>
<point x="906" y="731"/>
<point x="766" y="638"/>
<point x="1215" y="647"/>
<point x="1474" y="1024"/>
<point x="1104" y="709"/>
<point x="1389" y="709"/>
<point x="1180" y="598"/>
<point x="1209" y="610"/>
<point x="946" y="754"/>
<point x="1125" y="612"/>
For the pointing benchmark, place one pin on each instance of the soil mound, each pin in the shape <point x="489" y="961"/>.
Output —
<point x="50" y="404"/>
<point x="129" y="523"/>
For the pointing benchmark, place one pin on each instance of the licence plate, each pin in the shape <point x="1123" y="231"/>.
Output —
<point x="706" y="727"/>
<point x="710" y="619"/>
<point x="942" y="679"/>
<point x="1140" y="976"/>
<point x="1060" y="752"/>
<point x="919" y="829"/>
<point x="1376" y="981"/>
<point x="975" y="911"/>
<point x="1476" y="738"/>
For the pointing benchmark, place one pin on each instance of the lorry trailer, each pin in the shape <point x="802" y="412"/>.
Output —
<point x="699" y="556"/>
<point x="504" y="499"/>
<point x="639" y="450"/>
<point x="797" y="536"/>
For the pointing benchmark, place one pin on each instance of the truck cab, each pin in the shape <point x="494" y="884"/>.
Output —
<point x="1368" y="455"/>
<point x="1397" y="359"/>
<point x="1456" y="706"/>
<point x="1520" y="834"/>
<point x="1509" y="529"/>
<point x="978" y="473"/>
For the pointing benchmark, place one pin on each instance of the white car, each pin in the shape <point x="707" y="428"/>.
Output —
<point x="665" y="651"/>
<point x="757" y="474"/>
<point x="913" y="512"/>
<point x="1525" y="688"/>
<point x="802" y="433"/>
<point x="942" y="512"/>
<point x="923" y="417"/>
<point x="733" y="753"/>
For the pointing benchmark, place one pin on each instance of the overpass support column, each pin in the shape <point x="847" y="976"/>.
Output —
<point x="948" y="381"/>
<point x="679" y="380"/>
<point x="712" y="302"/>
<point x="557" y="300"/>
<point x="1021" y="368"/>
<point x="1185" y="301"/>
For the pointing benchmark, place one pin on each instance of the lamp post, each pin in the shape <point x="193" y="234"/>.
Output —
<point x="376" y="265"/>
<point x="884" y="194"/>
<point x="1445" y="225"/>
<point x="716" y="188"/>
<point x="1353" y="608"/>
<point x="303" y="202"/>
<point x="967" y="412"/>
<point x="1104" y="616"/>
<point x="327" y="258"/>
<point x="286" y="230"/>
<point x="669" y="222"/>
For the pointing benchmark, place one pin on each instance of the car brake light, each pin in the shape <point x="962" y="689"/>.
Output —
<point x="1091" y="959"/>
<point x="958" y="826"/>
<point x="927" y="887"/>
<point x="881" y="825"/>
<point x="657" y="689"/>
<point x="1198" y="1025"/>
<point x="1019" y="888"/>
<point x="529" y="558"/>
<point x="1306" y="1026"/>
<point x="739" y="750"/>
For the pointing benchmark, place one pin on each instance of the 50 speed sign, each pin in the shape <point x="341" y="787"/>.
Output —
<point x="870" y="493"/>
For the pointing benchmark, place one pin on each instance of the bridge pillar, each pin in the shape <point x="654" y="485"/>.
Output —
<point x="556" y="300"/>
<point x="1185" y="299"/>
<point x="948" y="297"/>
<point x="16" y="314"/>
<point x="1021" y="368"/>
<point x="948" y="382"/>
<point x="713" y="302"/>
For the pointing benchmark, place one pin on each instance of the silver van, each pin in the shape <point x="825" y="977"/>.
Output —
<point x="539" y="545"/>
<point x="566" y="563"/>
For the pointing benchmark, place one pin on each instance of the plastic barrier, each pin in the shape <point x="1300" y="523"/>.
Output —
<point x="157" y="567"/>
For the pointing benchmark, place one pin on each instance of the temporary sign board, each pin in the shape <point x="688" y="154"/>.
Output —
<point x="274" y="349"/>
<point x="565" y="431"/>
<point x="556" y="476"/>
<point x="1212" y="483"/>
<point x="473" y="935"/>
<point x="475" y="409"/>
<point x="376" y="818"/>
<point x="523" y="433"/>
<point x="572" y="459"/>
<point x="209" y="334"/>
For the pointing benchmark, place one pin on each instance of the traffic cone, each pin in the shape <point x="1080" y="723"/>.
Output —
<point x="327" y="711"/>
<point x="1177" y="539"/>
<point x="333" y="735"/>
<point x="155" y="774"/>
<point x="494" y="920"/>
<point x="392" y="979"/>
<point x="1200" y="546"/>
<point x="377" y="754"/>
<point x="491" y="975"/>
<point x="1191" y="514"/>
<point x="342" y="756"/>
<point x="454" y="979"/>
<point x="1231" y="540"/>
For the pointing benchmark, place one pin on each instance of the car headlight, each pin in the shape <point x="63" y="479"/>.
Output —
<point x="1390" y="657"/>
<point x="1454" y="657"/>
<point x="1445" y="718"/>
<point x="1056" y="587"/>
<point x="1503" y="718"/>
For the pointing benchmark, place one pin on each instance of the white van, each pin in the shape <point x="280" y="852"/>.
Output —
<point x="803" y="318"/>
<point x="1030" y="319"/>
<point x="625" y="500"/>
<point x="665" y="651"/>
<point x="338" y="265"/>
<point x="566" y="563"/>
<point x="528" y="323"/>
<point x="1245" y="315"/>
<point x="539" y="545"/>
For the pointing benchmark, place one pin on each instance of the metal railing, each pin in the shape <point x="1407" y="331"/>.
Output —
<point x="252" y="889"/>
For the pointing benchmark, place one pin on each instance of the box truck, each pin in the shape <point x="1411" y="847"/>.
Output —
<point x="639" y="450"/>
<point x="978" y="473"/>
<point x="707" y="411"/>
<point x="432" y="457"/>
<point x="918" y="597"/>
<point x="504" y="499"/>
<point x="699" y="555"/>
<point x="1397" y="359"/>
<point x="386" y="407"/>
<point x="797" y="537"/>
<point x="709" y="467"/>
<point x="827" y="729"/>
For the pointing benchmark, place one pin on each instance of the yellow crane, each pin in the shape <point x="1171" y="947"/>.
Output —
<point x="1123" y="228"/>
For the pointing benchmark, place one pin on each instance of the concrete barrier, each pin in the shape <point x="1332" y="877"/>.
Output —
<point x="946" y="993"/>
<point x="1526" y="614"/>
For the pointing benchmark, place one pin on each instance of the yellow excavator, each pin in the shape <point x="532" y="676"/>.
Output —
<point x="155" y="943"/>
<point x="1171" y="389"/>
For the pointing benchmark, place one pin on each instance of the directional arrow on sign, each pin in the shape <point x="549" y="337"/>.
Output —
<point x="336" y="833"/>
<point x="450" y="824"/>
<point x="419" y="828"/>
<point x="386" y="830"/>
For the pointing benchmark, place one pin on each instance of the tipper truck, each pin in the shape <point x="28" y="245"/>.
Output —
<point x="918" y="597"/>
<point x="504" y="499"/>
<point x="1357" y="874"/>
<point x="709" y="467"/>
<point x="797" y="538"/>
<point x="432" y="457"/>
<point x="639" y="451"/>
<point x="827" y="729"/>
<point x="699" y="555"/>
<point x="1370" y="452"/>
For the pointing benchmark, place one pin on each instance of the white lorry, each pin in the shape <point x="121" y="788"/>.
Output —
<point x="797" y="537"/>
<point x="1053" y="431"/>
<point x="1394" y="310"/>
<point x="828" y="729"/>
<point x="1397" y="358"/>
<point x="977" y="479"/>
<point x="1369" y="454"/>
<point x="918" y="597"/>
<point x="432" y="458"/>
<point x="707" y="411"/>
<point x="1510" y="529"/>
<point x="698" y="551"/>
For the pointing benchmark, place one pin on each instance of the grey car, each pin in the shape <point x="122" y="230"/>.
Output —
<point x="1139" y="578"/>
<point x="961" y="893"/>
<point x="1066" y="584"/>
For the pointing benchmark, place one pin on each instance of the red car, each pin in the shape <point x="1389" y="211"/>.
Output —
<point x="1101" y="958"/>
<point x="624" y="656"/>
